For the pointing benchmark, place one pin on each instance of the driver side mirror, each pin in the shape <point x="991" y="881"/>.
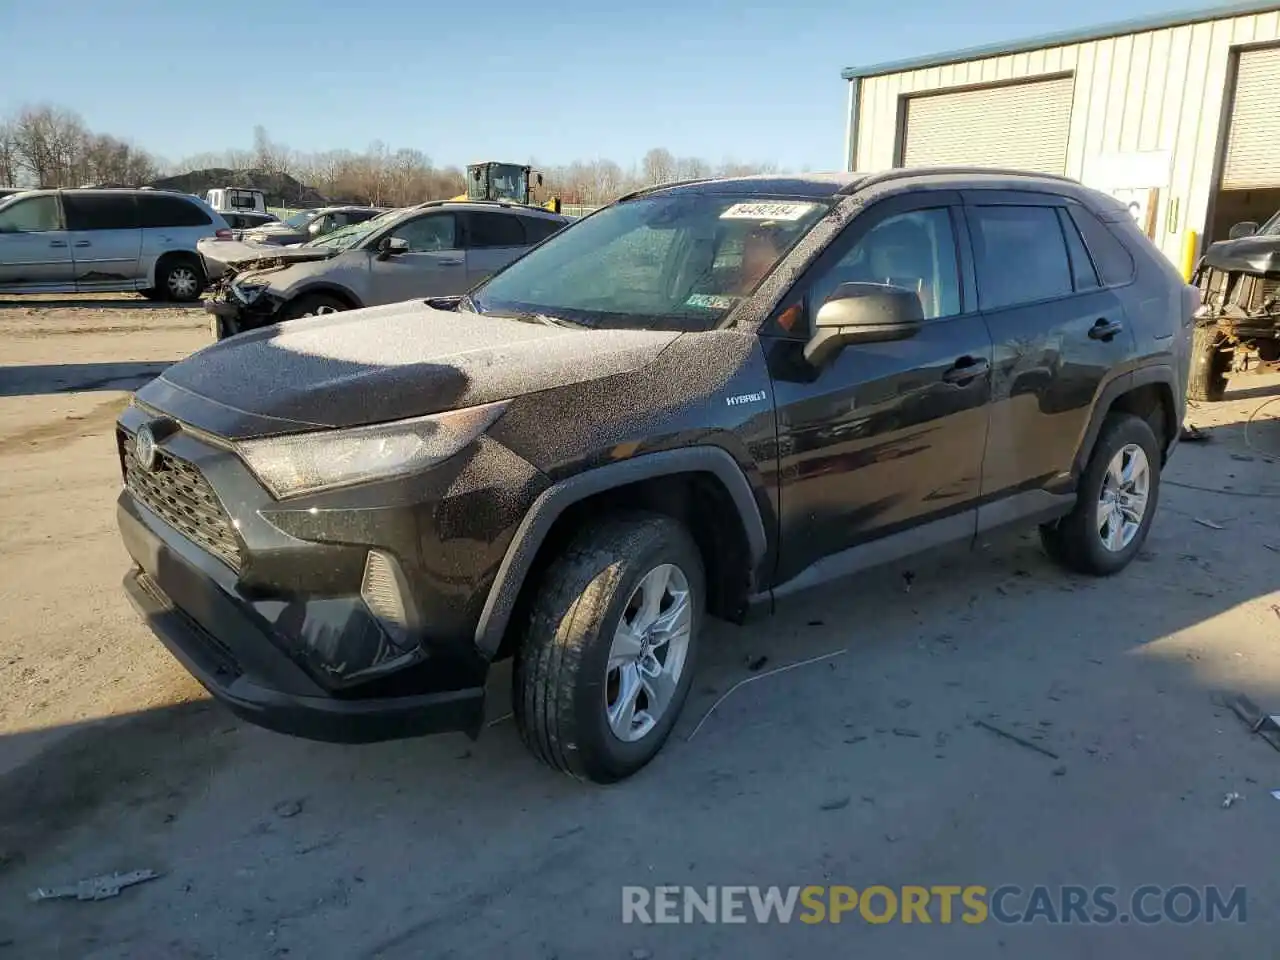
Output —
<point x="313" y="228"/>
<point x="392" y="246"/>
<point x="1246" y="229"/>
<point x="863" y="313"/>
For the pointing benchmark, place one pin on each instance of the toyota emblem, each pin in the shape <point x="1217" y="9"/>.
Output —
<point x="144" y="448"/>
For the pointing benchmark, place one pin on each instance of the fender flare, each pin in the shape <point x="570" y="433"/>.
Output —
<point x="1118" y="386"/>
<point x="553" y="501"/>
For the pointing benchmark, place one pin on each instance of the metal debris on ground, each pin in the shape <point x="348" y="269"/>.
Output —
<point x="1191" y="434"/>
<point x="1015" y="738"/>
<point x="1264" y="725"/>
<point x="756" y="664"/>
<point x="95" y="888"/>
<point x="1276" y="794"/>
<point x="288" y="808"/>
<point x="1209" y="523"/>
<point x="1230" y="799"/>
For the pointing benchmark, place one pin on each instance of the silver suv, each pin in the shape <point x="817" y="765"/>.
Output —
<point x="437" y="249"/>
<point x="101" y="241"/>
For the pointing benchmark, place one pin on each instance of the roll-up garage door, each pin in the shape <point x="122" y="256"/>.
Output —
<point x="1023" y="127"/>
<point x="1253" y="144"/>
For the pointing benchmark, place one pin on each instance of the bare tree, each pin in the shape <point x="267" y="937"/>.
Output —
<point x="9" y="165"/>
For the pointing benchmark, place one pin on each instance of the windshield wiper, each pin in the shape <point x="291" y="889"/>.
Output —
<point x="545" y="318"/>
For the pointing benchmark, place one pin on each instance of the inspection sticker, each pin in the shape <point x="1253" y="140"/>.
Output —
<point x="710" y="301"/>
<point x="766" y="211"/>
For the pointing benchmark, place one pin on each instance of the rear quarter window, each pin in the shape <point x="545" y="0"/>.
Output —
<point x="1111" y="257"/>
<point x="537" y="229"/>
<point x="160" y="211"/>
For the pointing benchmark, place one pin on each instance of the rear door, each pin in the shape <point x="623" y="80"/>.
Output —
<point x="106" y="239"/>
<point x="1058" y="332"/>
<point x="170" y="224"/>
<point x="35" y="251"/>
<point x="434" y="266"/>
<point x="492" y="240"/>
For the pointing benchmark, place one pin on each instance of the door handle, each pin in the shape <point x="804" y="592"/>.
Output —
<point x="58" y="243"/>
<point x="1105" y="330"/>
<point x="83" y="243"/>
<point x="966" y="369"/>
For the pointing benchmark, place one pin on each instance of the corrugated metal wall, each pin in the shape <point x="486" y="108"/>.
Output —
<point x="1161" y="90"/>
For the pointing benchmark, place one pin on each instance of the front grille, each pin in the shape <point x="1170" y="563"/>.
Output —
<point x="176" y="492"/>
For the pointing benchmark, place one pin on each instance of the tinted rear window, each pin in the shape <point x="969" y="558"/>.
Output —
<point x="100" y="211"/>
<point x="1021" y="255"/>
<point x="159" y="210"/>
<point x="494" y="230"/>
<point x="537" y="229"/>
<point x="1110" y="256"/>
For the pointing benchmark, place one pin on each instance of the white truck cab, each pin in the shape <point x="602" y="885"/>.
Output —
<point x="236" y="200"/>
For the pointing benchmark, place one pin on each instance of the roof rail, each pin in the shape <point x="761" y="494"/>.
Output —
<point x="653" y="187"/>
<point x="903" y="173"/>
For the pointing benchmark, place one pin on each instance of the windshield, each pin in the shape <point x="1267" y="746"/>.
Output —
<point x="678" y="261"/>
<point x="300" y="220"/>
<point x="344" y="238"/>
<point x="510" y="183"/>
<point x="1271" y="228"/>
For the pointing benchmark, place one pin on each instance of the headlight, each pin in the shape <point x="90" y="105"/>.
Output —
<point x="246" y="293"/>
<point x="311" y="462"/>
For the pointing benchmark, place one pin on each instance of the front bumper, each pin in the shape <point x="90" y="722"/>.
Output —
<point x="227" y="317"/>
<point x="266" y="610"/>
<point x="243" y="671"/>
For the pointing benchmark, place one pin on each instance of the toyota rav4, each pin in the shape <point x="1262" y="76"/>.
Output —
<point x="693" y="402"/>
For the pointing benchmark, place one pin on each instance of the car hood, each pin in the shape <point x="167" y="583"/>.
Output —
<point x="1256" y="255"/>
<point x="383" y="363"/>
<point x="244" y="254"/>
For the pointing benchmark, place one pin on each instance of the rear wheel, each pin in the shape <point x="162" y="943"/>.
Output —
<point x="607" y="658"/>
<point x="1115" y="504"/>
<point x="1210" y="364"/>
<point x="180" y="279"/>
<point x="312" y="305"/>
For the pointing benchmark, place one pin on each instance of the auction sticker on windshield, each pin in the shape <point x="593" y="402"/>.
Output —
<point x="767" y="211"/>
<point x="711" y="301"/>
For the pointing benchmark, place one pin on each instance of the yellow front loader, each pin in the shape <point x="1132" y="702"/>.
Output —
<point x="511" y="182"/>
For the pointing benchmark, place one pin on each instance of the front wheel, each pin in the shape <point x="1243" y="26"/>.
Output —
<point x="312" y="305"/>
<point x="607" y="657"/>
<point x="1116" y="501"/>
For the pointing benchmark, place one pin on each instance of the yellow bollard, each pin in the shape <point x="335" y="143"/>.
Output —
<point x="1190" y="244"/>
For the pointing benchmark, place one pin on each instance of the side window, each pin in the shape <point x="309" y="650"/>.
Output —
<point x="100" y="211"/>
<point x="537" y="229"/>
<point x="437" y="231"/>
<point x="158" y="210"/>
<point x="916" y="250"/>
<point x="1114" y="262"/>
<point x="1082" y="270"/>
<point x="33" y="215"/>
<point x="494" y="230"/>
<point x="1021" y="255"/>
<point x="359" y="216"/>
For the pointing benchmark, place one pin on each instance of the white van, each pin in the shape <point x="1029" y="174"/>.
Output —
<point x="236" y="200"/>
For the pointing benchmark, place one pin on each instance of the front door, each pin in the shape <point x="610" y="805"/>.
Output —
<point x="492" y="240"/>
<point x="886" y="437"/>
<point x="106" y="239"/>
<point x="434" y="266"/>
<point x="35" y="251"/>
<point x="1057" y="329"/>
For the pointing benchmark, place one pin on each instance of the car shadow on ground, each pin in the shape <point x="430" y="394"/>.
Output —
<point x="39" y="379"/>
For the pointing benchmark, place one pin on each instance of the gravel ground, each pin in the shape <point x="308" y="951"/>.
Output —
<point x="862" y="768"/>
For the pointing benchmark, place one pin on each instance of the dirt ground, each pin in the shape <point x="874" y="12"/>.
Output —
<point x="862" y="768"/>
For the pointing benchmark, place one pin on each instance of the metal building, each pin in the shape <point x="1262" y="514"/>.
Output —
<point x="1177" y="115"/>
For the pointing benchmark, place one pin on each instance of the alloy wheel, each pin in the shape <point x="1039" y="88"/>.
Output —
<point x="1122" y="502"/>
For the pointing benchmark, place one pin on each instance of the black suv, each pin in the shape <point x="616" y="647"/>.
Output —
<point x="697" y="400"/>
<point x="1239" y="281"/>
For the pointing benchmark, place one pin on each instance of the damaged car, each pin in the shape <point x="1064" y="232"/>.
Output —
<point x="435" y="249"/>
<point x="698" y="400"/>
<point x="1239" y="282"/>
<point x="309" y="224"/>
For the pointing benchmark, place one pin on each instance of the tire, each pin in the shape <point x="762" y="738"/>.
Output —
<point x="312" y="305"/>
<point x="180" y="279"/>
<point x="562" y="683"/>
<point x="1210" y="364"/>
<point x="1077" y="540"/>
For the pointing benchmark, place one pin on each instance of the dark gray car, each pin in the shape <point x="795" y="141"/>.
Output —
<point x="308" y="224"/>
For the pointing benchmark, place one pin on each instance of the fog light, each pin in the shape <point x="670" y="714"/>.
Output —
<point x="385" y="591"/>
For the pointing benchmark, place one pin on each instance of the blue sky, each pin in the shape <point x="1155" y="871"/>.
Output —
<point x="551" y="80"/>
